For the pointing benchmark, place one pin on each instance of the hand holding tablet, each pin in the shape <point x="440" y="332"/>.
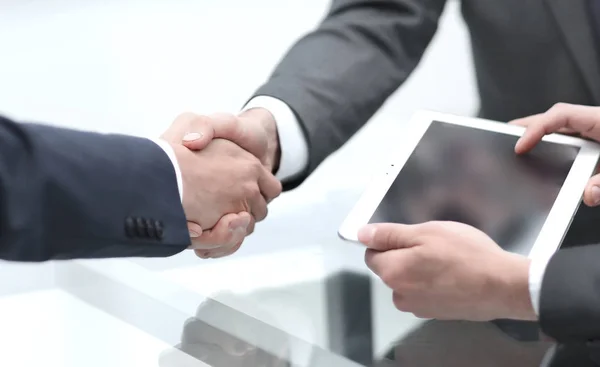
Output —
<point x="567" y="118"/>
<point x="465" y="170"/>
<point x="448" y="271"/>
<point x="455" y="171"/>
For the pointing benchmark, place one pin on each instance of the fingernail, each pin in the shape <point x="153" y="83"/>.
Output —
<point x="366" y="234"/>
<point x="194" y="234"/>
<point x="239" y="224"/>
<point x="192" y="136"/>
<point x="596" y="195"/>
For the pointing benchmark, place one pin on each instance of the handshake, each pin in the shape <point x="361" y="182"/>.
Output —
<point x="227" y="164"/>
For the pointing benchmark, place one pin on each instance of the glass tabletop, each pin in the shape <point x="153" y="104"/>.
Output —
<point x="315" y="305"/>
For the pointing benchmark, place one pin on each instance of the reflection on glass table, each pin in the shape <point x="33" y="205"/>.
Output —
<point x="338" y="316"/>
<point x="298" y="301"/>
<point x="220" y="336"/>
<point x="263" y="346"/>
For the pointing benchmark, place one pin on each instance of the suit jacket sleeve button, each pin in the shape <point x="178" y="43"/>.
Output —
<point x="150" y="228"/>
<point x="158" y="226"/>
<point x="140" y="226"/>
<point x="129" y="227"/>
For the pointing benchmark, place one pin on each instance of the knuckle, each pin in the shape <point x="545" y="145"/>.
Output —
<point x="224" y="116"/>
<point x="189" y="121"/>
<point x="233" y="241"/>
<point x="230" y="117"/>
<point x="186" y="117"/>
<point x="249" y="170"/>
<point x="235" y="248"/>
<point x="257" y="196"/>
<point x="250" y="228"/>
<point x="388" y="277"/>
<point x="263" y="213"/>
<point x="255" y="192"/>
<point x="275" y="191"/>
<point x="259" y="211"/>
<point x="428" y="226"/>
<point x="251" y="190"/>
<point x="435" y="226"/>
<point x="192" y="120"/>
<point x="224" y="237"/>
<point x="383" y="236"/>
<point x="254" y="164"/>
<point x="400" y="302"/>
<point x="198" y="245"/>
<point x="198" y="122"/>
<point x="559" y="108"/>
<point x="246" y="189"/>
<point x="203" y="254"/>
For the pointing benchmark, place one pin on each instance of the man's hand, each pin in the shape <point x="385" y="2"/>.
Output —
<point x="564" y="118"/>
<point x="448" y="270"/>
<point x="254" y="130"/>
<point x="223" y="179"/>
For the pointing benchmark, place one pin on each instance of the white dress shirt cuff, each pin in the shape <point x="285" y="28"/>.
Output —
<point x="537" y="268"/>
<point x="293" y="146"/>
<point x="171" y="154"/>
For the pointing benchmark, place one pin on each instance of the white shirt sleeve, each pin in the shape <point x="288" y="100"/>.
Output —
<point x="171" y="154"/>
<point x="537" y="268"/>
<point x="294" y="148"/>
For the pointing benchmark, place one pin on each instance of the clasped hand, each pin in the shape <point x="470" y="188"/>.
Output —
<point x="226" y="164"/>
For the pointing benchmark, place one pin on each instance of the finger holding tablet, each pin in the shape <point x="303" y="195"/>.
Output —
<point x="567" y="119"/>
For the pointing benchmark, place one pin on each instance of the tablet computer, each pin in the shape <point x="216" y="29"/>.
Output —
<point x="453" y="168"/>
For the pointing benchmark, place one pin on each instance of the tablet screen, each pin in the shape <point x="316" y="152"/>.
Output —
<point x="473" y="176"/>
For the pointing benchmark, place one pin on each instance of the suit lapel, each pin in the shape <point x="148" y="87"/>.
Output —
<point x="573" y="20"/>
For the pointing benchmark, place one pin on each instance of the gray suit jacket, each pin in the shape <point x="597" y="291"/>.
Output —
<point x="529" y="55"/>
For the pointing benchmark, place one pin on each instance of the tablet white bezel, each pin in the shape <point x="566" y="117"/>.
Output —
<point x="559" y="218"/>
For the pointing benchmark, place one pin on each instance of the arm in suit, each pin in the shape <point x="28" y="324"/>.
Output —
<point x="576" y="354"/>
<point x="570" y="295"/>
<point x="68" y="194"/>
<point x="336" y="77"/>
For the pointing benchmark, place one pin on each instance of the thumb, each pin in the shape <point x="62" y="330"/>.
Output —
<point x="194" y="229"/>
<point x="198" y="140"/>
<point x="388" y="236"/>
<point x="215" y="126"/>
<point x="591" y="195"/>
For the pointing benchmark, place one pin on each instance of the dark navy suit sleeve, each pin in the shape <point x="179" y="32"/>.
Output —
<point x="68" y="194"/>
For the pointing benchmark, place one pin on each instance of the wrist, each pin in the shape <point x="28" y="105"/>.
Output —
<point x="267" y="121"/>
<point x="513" y="288"/>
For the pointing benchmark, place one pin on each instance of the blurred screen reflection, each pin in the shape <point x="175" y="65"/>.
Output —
<point x="473" y="176"/>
